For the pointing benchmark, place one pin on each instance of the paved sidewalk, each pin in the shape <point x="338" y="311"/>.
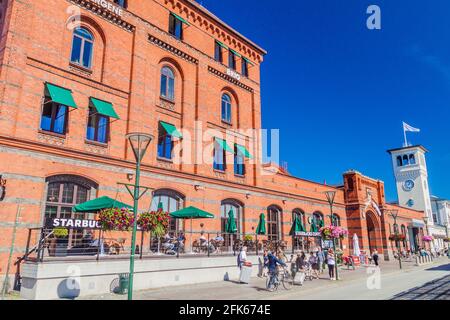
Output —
<point x="353" y="285"/>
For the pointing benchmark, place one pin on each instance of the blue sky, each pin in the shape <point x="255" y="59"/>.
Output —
<point x="339" y="92"/>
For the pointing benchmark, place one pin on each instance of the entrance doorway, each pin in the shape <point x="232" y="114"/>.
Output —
<point x="372" y="232"/>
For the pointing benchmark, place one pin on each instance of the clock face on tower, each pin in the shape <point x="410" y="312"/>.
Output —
<point x="408" y="185"/>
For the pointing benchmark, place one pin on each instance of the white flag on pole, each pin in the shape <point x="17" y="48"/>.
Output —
<point x="408" y="128"/>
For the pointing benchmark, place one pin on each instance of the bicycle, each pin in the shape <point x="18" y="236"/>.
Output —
<point x="284" y="277"/>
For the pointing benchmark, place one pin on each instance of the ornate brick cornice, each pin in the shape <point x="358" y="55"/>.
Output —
<point x="105" y="14"/>
<point x="168" y="47"/>
<point x="228" y="78"/>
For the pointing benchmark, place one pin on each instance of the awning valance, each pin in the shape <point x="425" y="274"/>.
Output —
<point x="236" y="53"/>
<point x="171" y="130"/>
<point x="222" y="45"/>
<point x="104" y="108"/>
<point x="224" y="145"/>
<point x="244" y="151"/>
<point x="181" y="19"/>
<point x="60" y="95"/>
<point x="248" y="61"/>
<point x="417" y="223"/>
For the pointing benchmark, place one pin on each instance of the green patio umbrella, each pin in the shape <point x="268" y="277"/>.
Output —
<point x="231" y="223"/>
<point x="297" y="226"/>
<point x="100" y="204"/>
<point x="191" y="213"/>
<point x="160" y="206"/>
<point x="314" y="226"/>
<point x="261" y="229"/>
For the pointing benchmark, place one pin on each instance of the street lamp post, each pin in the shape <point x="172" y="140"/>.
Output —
<point x="425" y="219"/>
<point x="139" y="143"/>
<point x="394" y="215"/>
<point x="330" y="197"/>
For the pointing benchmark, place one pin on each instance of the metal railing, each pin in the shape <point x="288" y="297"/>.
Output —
<point x="100" y="245"/>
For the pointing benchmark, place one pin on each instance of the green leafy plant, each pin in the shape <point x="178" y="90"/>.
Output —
<point x="248" y="237"/>
<point x="61" y="233"/>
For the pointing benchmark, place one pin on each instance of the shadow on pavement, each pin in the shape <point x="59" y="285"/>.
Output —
<point x="444" y="267"/>
<point x="438" y="289"/>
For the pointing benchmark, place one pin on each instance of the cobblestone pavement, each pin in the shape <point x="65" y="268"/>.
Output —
<point x="360" y="284"/>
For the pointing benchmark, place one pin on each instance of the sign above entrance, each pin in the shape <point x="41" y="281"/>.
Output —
<point x="52" y="223"/>
<point x="234" y="74"/>
<point x="109" y="6"/>
<point x="308" y="234"/>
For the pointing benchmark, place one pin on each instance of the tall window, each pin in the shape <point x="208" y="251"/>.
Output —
<point x="231" y="60"/>
<point x="412" y="159"/>
<point x="171" y="201"/>
<point x="220" y="157"/>
<point x="226" y="108"/>
<point x="239" y="162"/>
<point x="98" y="125"/>
<point x="175" y="27"/>
<point x="273" y="223"/>
<point x="167" y="83"/>
<point x="244" y="65"/>
<point x="336" y="220"/>
<point x="399" y="161"/>
<point x="54" y="117"/>
<point x="237" y="209"/>
<point x="218" y="55"/>
<point x="63" y="193"/>
<point x="165" y="144"/>
<point x="317" y="219"/>
<point x="82" y="48"/>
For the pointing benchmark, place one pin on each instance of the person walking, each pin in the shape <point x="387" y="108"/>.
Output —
<point x="321" y="258"/>
<point x="375" y="257"/>
<point x="242" y="257"/>
<point x="331" y="264"/>
<point x="314" y="262"/>
<point x="273" y="262"/>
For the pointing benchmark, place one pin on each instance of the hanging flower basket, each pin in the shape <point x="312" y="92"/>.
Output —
<point x="115" y="219"/>
<point x="333" y="232"/>
<point x="397" y="237"/>
<point x="427" y="238"/>
<point x="157" y="222"/>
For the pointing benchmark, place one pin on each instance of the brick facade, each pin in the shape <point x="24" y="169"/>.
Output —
<point x="129" y="52"/>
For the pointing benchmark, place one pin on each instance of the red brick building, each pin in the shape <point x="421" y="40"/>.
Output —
<point x="77" y="76"/>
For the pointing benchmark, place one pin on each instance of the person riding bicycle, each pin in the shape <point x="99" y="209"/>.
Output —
<point x="272" y="264"/>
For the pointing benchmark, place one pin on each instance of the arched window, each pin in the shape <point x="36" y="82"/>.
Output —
<point x="300" y="215"/>
<point x="237" y="208"/>
<point x="171" y="201"/>
<point x="226" y="108"/>
<point x="405" y="160"/>
<point x="167" y="83"/>
<point x="63" y="193"/>
<point x="336" y="220"/>
<point x="82" y="48"/>
<point x="317" y="219"/>
<point x="399" y="161"/>
<point x="273" y="223"/>
<point x="412" y="159"/>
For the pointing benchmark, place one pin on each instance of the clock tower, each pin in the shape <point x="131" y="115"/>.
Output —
<point x="411" y="175"/>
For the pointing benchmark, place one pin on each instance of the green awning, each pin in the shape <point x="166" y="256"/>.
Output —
<point x="297" y="226"/>
<point x="261" y="229"/>
<point x="222" y="45"/>
<point x="171" y="130"/>
<point x="236" y="53"/>
<point x="100" y="204"/>
<point x="60" y="95"/>
<point x="224" y="145"/>
<point x="231" y="223"/>
<point x="104" y="108"/>
<point x="191" y="213"/>
<point x="244" y="151"/>
<point x="181" y="19"/>
<point x="248" y="61"/>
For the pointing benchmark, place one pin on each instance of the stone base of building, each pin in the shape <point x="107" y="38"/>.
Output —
<point x="70" y="280"/>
